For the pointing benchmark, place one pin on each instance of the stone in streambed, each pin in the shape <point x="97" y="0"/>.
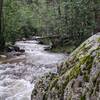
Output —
<point x="78" y="77"/>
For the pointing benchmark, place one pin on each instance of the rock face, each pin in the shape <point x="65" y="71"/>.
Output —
<point x="78" y="78"/>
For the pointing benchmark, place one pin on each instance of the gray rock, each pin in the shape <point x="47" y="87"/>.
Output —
<point x="78" y="77"/>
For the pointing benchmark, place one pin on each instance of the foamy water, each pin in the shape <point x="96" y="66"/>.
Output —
<point x="17" y="78"/>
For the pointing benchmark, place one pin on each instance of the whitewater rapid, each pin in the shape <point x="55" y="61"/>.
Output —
<point x="19" y="73"/>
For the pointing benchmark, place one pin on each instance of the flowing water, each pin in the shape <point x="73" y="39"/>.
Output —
<point x="19" y="73"/>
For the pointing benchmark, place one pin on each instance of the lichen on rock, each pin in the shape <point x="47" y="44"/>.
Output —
<point x="78" y="77"/>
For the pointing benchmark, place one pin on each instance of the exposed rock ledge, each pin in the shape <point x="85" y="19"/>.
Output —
<point x="78" y="77"/>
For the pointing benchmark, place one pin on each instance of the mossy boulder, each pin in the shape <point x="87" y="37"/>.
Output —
<point x="78" y="77"/>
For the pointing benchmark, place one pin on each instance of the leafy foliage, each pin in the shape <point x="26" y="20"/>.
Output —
<point x="23" y="18"/>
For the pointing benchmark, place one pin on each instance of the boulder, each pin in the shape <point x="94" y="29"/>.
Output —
<point x="9" y="49"/>
<point x="40" y="42"/>
<point x="17" y="54"/>
<point x="16" y="48"/>
<point x="3" y="56"/>
<point x="22" y="50"/>
<point x="78" y="77"/>
<point x="24" y="39"/>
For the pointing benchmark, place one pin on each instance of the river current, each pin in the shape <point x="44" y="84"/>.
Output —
<point x="19" y="73"/>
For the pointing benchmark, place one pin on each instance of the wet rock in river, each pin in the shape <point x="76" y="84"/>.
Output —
<point x="3" y="56"/>
<point x="14" y="48"/>
<point x="22" y="50"/>
<point x="78" y="77"/>
<point x="17" y="49"/>
<point x="9" y="49"/>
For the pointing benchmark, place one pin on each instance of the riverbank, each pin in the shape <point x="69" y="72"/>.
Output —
<point x="63" y="49"/>
<point x="57" y="45"/>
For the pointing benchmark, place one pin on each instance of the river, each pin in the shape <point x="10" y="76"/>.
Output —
<point x="18" y="74"/>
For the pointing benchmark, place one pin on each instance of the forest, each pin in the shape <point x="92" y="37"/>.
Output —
<point x="49" y="49"/>
<point x="24" y="18"/>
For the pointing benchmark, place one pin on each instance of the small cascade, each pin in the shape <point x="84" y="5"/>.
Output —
<point x="18" y="75"/>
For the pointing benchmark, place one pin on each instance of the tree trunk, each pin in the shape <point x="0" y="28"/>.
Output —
<point x="97" y="15"/>
<point x="97" y="19"/>
<point x="2" y="42"/>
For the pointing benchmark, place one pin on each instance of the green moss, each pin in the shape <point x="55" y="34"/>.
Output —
<point x="53" y="83"/>
<point x="72" y="68"/>
<point x="71" y="74"/>
<point x="80" y="48"/>
<point x="86" y="77"/>
<point x="74" y="72"/>
<point x="83" y="98"/>
<point x="84" y="59"/>
<point x="88" y="60"/>
<point x="99" y="40"/>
